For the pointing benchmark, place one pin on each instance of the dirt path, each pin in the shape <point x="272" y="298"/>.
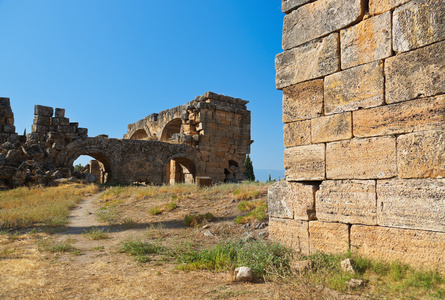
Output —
<point x="83" y="216"/>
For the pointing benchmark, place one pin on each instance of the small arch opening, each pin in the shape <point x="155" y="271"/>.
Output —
<point x="180" y="170"/>
<point x="172" y="127"/>
<point x="231" y="174"/>
<point x="140" y="134"/>
<point x="92" y="168"/>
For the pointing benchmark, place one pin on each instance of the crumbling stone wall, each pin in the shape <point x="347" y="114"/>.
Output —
<point x="217" y="126"/>
<point x="364" y="111"/>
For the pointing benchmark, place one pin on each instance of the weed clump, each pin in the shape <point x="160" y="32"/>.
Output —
<point x="257" y="211"/>
<point x="139" y="249"/>
<point x="95" y="234"/>
<point x="195" y="220"/>
<point x="57" y="247"/>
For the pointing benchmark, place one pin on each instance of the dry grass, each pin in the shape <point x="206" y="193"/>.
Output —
<point x="39" y="206"/>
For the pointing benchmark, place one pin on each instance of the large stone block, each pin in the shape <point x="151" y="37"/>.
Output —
<point x="380" y="6"/>
<point x="415" y="74"/>
<point x="418" y="23"/>
<point x="331" y="128"/>
<point x="303" y="101"/>
<point x="328" y="237"/>
<point x="415" y="115"/>
<point x="292" y="200"/>
<point x="305" y="162"/>
<point x="288" y="5"/>
<point x="41" y="120"/>
<point x="347" y="201"/>
<point x="292" y="233"/>
<point x="424" y="249"/>
<point x="297" y="133"/>
<point x="412" y="204"/>
<point x="40" y="110"/>
<point x="421" y="154"/>
<point x="367" y="41"/>
<point x="369" y="158"/>
<point x="309" y="61"/>
<point x="318" y="19"/>
<point x="355" y="88"/>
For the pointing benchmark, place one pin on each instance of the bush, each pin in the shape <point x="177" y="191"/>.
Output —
<point x="194" y="220"/>
<point x="139" y="249"/>
<point x="95" y="234"/>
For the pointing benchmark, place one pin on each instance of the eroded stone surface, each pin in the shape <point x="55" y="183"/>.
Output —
<point x="424" y="249"/>
<point x="347" y="201"/>
<point x="380" y="6"/>
<point x="305" y="162"/>
<point x="415" y="115"/>
<point x="418" y="23"/>
<point x="412" y="204"/>
<point x="288" y="5"/>
<point x="297" y="133"/>
<point x="421" y="154"/>
<point x="358" y="87"/>
<point x="303" y="101"/>
<point x="367" y="41"/>
<point x="292" y="200"/>
<point x="369" y="158"/>
<point x="328" y="237"/>
<point x="331" y="128"/>
<point x="415" y="74"/>
<point x="309" y="61"/>
<point x="292" y="233"/>
<point x="317" y="19"/>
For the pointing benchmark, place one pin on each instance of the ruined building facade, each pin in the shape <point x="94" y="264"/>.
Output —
<point x="364" y="110"/>
<point x="207" y="137"/>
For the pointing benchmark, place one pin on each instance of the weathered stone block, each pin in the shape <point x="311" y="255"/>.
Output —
<point x="9" y="128"/>
<point x="421" y="154"/>
<point x="288" y="5"/>
<point x="415" y="74"/>
<point x="40" y="110"/>
<point x="297" y="133"/>
<point x="203" y="181"/>
<point x="317" y="19"/>
<point x="82" y="131"/>
<point x="309" y="61"/>
<point x="412" y="204"/>
<point x="303" y="101"/>
<point x="39" y="129"/>
<point x="331" y="128"/>
<point x="415" y="115"/>
<point x="41" y="120"/>
<point x="367" y="41"/>
<point x="292" y="200"/>
<point x="424" y="249"/>
<point x="292" y="233"/>
<point x="60" y="113"/>
<point x="380" y="6"/>
<point x="369" y="158"/>
<point x="355" y="88"/>
<point x="305" y="162"/>
<point x="418" y="23"/>
<point x="328" y="237"/>
<point x="347" y="201"/>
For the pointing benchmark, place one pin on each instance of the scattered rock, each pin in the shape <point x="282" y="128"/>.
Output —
<point x="205" y="226"/>
<point x="347" y="265"/>
<point x="243" y="274"/>
<point x="208" y="233"/>
<point x="248" y="238"/>
<point x="261" y="225"/>
<point x="354" y="283"/>
<point x="262" y="234"/>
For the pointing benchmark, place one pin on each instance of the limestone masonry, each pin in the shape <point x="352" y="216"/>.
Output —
<point x="364" y="110"/>
<point x="206" y="138"/>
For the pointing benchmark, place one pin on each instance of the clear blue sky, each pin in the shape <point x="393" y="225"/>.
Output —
<point x="112" y="62"/>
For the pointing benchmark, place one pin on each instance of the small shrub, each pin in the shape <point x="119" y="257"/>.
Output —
<point x="96" y="234"/>
<point x="257" y="211"/>
<point x="170" y="206"/>
<point x="57" y="247"/>
<point x="155" y="211"/>
<point x="139" y="249"/>
<point x="194" y="220"/>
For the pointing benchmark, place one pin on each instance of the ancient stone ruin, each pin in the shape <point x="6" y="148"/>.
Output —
<point x="207" y="137"/>
<point x="364" y="111"/>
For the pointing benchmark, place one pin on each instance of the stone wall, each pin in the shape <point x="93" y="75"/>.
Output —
<point x="217" y="126"/>
<point x="364" y="111"/>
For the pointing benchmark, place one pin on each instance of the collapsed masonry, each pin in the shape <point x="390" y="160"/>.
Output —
<point x="209" y="136"/>
<point x="364" y="111"/>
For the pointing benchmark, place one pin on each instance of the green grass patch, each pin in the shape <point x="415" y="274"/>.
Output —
<point x="95" y="234"/>
<point x="140" y="250"/>
<point x="195" y="220"/>
<point x="49" y="245"/>
<point x="257" y="211"/>
<point x="109" y="215"/>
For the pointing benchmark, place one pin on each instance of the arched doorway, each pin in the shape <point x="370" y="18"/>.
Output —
<point x="95" y="167"/>
<point x="172" y="127"/>
<point x="140" y="134"/>
<point x="180" y="170"/>
<point x="231" y="174"/>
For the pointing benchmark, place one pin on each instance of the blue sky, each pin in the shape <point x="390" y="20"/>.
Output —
<point x="112" y="62"/>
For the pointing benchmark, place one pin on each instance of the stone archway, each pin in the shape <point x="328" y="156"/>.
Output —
<point x="172" y="127"/>
<point x="140" y="134"/>
<point x="103" y="170"/>
<point x="180" y="169"/>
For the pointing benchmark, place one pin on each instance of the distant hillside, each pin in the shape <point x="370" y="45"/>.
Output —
<point x="263" y="174"/>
